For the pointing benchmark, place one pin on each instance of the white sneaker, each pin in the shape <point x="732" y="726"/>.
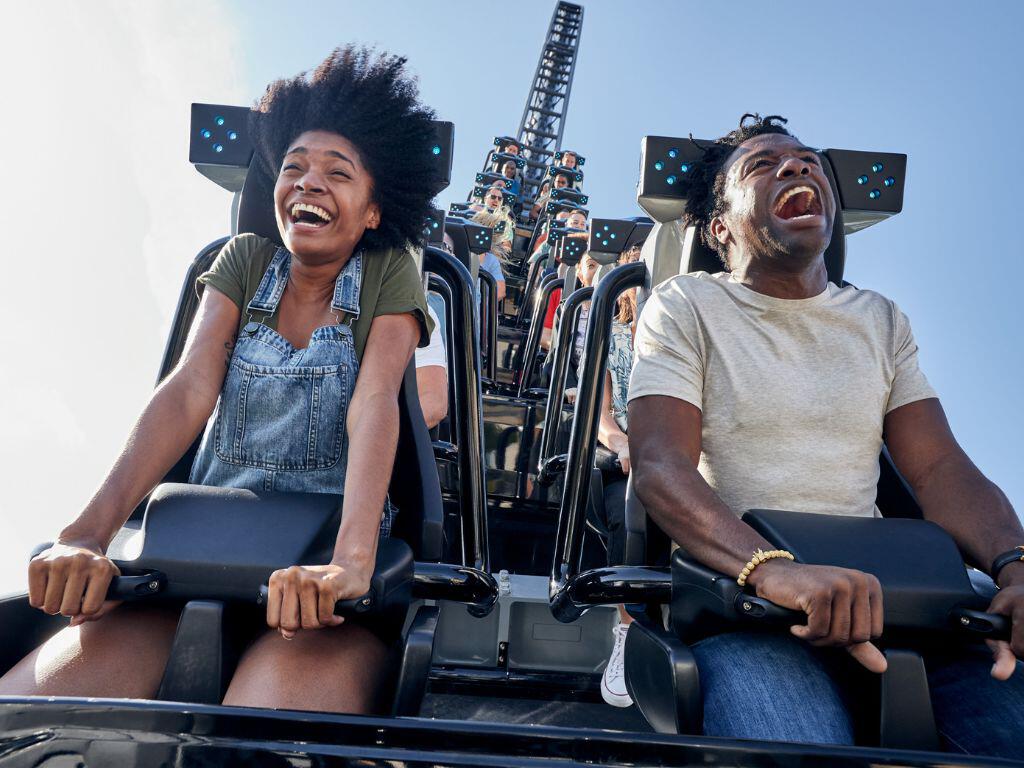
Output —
<point x="613" y="681"/>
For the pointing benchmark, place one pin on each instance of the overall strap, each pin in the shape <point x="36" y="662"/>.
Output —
<point x="275" y="279"/>
<point x="348" y="286"/>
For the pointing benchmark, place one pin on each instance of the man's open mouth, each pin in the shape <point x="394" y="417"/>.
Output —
<point x="309" y="215"/>
<point x="798" y="203"/>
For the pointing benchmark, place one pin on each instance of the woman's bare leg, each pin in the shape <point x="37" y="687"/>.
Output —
<point x="335" y="669"/>
<point x="121" y="655"/>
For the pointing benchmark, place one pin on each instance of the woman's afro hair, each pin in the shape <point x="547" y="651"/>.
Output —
<point x="368" y="98"/>
<point x="705" y="184"/>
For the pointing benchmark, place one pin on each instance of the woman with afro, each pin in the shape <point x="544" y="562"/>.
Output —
<point x="293" y="366"/>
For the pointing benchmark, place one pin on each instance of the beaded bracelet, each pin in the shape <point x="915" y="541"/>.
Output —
<point x="759" y="557"/>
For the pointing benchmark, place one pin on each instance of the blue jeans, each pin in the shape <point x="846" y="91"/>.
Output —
<point x="776" y="688"/>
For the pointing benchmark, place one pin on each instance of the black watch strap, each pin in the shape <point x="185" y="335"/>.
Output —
<point x="1003" y="560"/>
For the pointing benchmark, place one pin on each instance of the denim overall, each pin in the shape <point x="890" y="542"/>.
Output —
<point x="279" y="424"/>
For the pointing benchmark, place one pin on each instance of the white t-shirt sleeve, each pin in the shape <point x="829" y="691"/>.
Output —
<point x="433" y="353"/>
<point x="909" y="383"/>
<point x="669" y="352"/>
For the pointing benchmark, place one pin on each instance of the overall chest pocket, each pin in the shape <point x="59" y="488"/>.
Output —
<point x="283" y="418"/>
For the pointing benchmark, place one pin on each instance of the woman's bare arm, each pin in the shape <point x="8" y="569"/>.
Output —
<point x="609" y="433"/>
<point x="303" y="596"/>
<point x="432" y="386"/>
<point x="174" y="416"/>
<point x="373" y="435"/>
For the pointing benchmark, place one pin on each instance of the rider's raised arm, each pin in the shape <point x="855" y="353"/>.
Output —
<point x="843" y="607"/>
<point x="373" y="437"/>
<point x="951" y="490"/>
<point x="665" y="424"/>
<point x="174" y="416"/>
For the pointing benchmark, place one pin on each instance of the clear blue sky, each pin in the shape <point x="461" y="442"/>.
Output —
<point x="939" y="81"/>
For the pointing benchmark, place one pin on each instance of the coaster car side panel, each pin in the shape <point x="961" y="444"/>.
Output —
<point x="109" y="731"/>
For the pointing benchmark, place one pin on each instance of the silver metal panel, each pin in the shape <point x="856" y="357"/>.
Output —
<point x="522" y="620"/>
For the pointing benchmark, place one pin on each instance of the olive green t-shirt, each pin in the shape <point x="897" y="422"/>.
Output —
<point x="391" y="285"/>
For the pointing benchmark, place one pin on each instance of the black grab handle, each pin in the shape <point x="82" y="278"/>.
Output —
<point x="766" y="612"/>
<point x="352" y="607"/>
<point x="133" y="587"/>
<point x="975" y="624"/>
<point x="136" y="587"/>
<point x="989" y="626"/>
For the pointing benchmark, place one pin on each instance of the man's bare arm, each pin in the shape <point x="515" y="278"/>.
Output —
<point x="843" y="607"/>
<point x="664" y="446"/>
<point x="952" y="491"/>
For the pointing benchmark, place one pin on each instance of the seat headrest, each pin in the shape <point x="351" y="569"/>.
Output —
<point x="580" y="159"/>
<point x="868" y="187"/>
<point x="610" y="237"/>
<point x="500" y="158"/>
<point x="456" y="230"/>
<point x="256" y="204"/>
<point x="487" y="179"/>
<point x="567" y="195"/>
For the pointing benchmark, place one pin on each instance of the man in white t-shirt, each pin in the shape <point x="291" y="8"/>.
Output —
<point x="432" y="376"/>
<point x="767" y="386"/>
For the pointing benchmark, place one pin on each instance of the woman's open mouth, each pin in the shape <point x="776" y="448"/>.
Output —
<point x="798" y="203"/>
<point x="309" y="216"/>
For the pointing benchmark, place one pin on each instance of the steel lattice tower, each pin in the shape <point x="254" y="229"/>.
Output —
<point x="540" y="131"/>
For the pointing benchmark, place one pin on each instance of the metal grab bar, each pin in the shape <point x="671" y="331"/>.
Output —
<point x="442" y="289"/>
<point x="532" y="276"/>
<point x="611" y="586"/>
<point x="464" y="372"/>
<point x="489" y="329"/>
<point x="472" y="586"/>
<point x="528" y="359"/>
<point x="561" y="353"/>
<point x="583" y="437"/>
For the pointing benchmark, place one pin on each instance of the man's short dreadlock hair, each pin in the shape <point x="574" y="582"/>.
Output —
<point x="705" y="184"/>
<point x="368" y="98"/>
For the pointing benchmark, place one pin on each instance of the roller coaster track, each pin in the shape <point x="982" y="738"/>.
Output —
<point x="543" y="123"/>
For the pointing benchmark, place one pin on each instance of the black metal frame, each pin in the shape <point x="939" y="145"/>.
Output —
<point x="172" y="733"/>
<point x="567" y="584"/>
<point x="561" y="354"/>
<point x="489" y="323"/>
<point x="528" y="358"/>
<point x="532" y="274"/>
<point x="464" y="373"/>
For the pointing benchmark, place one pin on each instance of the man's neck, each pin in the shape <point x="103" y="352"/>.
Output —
<point x="765" y="277"/>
